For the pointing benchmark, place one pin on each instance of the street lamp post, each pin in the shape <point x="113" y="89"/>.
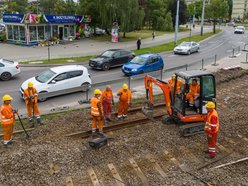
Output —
<point x="202" y="18"/>
<point x="176" y="25"/>
<point x="48" y="41"/>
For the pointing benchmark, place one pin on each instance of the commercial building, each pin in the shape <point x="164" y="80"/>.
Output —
<point x="30" y="29"/>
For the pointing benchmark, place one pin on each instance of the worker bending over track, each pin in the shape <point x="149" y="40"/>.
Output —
<point x="107" y="102"/>
<point x="31" y="100"/>
<point x="7" y="120"/>
<point x="211" y="128"/>
<point x="125" y="97"/>
<point x="97" y="113"/>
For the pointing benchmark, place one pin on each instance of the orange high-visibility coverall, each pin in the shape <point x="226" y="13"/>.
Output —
<point x="194" y="91"/>
<point x="124" y="100"/>
<point x="31" y="100"/>
<point x="107" y="100"/>
<point x="97" y="114"/>
<point x="211" y="129"/>
<point x="172" y="85"/>
<point x="7" y="120"/>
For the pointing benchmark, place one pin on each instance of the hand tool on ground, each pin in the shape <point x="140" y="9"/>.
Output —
<point x="27" y="136"/>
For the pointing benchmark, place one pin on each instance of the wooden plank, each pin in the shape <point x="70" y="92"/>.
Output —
<point x="20" y="131"/>
<point x="139" y="172"/>
<point x="156" y="165"/>
<point x="190" y="154"/>
<point x="175" y="161"/>
<point x="116" y="175"/>
<point x="93" y="177"/>
<point x="221" y="147"/>
<point x="68" y="181"/>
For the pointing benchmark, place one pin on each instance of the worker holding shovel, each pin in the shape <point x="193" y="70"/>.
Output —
<point x="31" y="100"/>
<point x="7" y="119"/>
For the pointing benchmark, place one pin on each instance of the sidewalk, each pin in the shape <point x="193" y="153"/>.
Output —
<point x="84" y="47"/>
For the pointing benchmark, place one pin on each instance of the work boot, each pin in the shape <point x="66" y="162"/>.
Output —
<point x="39" y="121"/>
<point x="31" y="123"/>
<point x="124" y="116"/>
<point x="101" y="135"/>
<point x="93" y="135"/>
<point x="119" y="117"/>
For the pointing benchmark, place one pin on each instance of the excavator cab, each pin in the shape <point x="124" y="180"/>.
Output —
<point x="185" y="99"/>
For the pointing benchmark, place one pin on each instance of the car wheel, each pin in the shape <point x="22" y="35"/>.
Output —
<point x="105" y="66"/>
<point x="6" y="76"/>
<point x="42" y="99"/>
<point x="189" y="52"/>
<point x="86" y="86"/>
<point x="197" y="49"/>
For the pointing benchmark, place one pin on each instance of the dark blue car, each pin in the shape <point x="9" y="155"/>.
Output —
<point x="142" y="64"/>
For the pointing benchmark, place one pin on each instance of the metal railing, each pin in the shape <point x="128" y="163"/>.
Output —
<point x="132" y="80"/>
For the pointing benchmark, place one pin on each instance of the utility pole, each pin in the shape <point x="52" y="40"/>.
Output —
<point x="194" y="16"/>
<point x="202" y="18"/>
<point x="176" y="26"/>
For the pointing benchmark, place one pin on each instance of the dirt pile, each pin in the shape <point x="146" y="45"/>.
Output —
<point x="49" y="157"/>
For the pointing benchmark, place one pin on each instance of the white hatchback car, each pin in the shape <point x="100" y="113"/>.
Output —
<point x="8" y="69"/>
<point x="60" y="80"/>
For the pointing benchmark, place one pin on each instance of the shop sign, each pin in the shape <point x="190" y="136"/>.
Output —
<point x="13" y="18"/>
<point x="63" y="19"/>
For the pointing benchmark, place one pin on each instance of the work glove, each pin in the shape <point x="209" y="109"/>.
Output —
<point x="210" y="135"/>
<point x="14" y="111"/>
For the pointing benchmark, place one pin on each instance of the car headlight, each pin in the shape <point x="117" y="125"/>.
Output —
<point x="134" y="70"/>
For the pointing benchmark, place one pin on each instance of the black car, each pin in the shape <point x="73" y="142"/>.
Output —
<point x="111" y="58"/>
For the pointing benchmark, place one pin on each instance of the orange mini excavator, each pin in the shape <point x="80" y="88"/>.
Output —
<point x="189" y="117"/>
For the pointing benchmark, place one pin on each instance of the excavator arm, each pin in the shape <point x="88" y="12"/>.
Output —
<point x="148" y="104"/>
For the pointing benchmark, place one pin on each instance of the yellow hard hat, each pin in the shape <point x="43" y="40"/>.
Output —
<point x="210" y="105"/>
<point x="7" y="98"/>
<point x="30" y="84"/>
<point x="97" y="92"/>
<point x="125" y="86"/>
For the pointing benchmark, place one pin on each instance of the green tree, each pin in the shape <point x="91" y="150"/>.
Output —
<point x="13" y="6"/>
<point x="230" y="6"/>
<point x="182" y="11"/>
<point x="216" y="9"/>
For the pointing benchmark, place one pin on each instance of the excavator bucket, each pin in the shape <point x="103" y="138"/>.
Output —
<point x="147" y="110"/>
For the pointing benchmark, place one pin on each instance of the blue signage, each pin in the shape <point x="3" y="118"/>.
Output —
<point x="13" y="18"/>
<point x="63" y="19"/>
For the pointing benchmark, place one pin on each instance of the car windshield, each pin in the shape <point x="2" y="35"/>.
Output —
<point x="7" y="61"/>
<point x="108" y="53"/>
<point x="240" y="27"/>
<point x="45" y="76"/>
<point x="138" y="60"/>
<point x="185" y="44"/>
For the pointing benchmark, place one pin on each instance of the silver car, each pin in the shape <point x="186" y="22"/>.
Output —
<point x="8" y="69"/>
<point x="187" y="48"/>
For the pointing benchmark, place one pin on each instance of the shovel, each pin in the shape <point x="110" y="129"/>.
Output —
<point x="27" y="136"/>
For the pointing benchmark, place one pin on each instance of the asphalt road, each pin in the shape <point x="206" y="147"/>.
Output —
<point x="220" y="45"/>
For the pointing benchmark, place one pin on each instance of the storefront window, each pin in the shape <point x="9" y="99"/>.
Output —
<point x="47" y="32"/>
<point x="22" y="33"/>
<point x="33" y="33"/>
<point x="55" y="31"/>
<point x="66" y="31"/>
<point x="16" y="32"/>
<point x="72" y="32"/>
<point x="41" y="34"/>
<point x="10" y="32"/>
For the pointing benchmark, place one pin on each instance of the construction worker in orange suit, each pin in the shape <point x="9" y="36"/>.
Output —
<point x="172" y="84"/>
<point x="31" y="100"/>
<point x="107" y="102"/>
<point x="97" y="113"/>
<point x="194" y="92"/>
<point x="7" y="119"/>
<point x="211" y="128"/>
<point x="125" y="97"/>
